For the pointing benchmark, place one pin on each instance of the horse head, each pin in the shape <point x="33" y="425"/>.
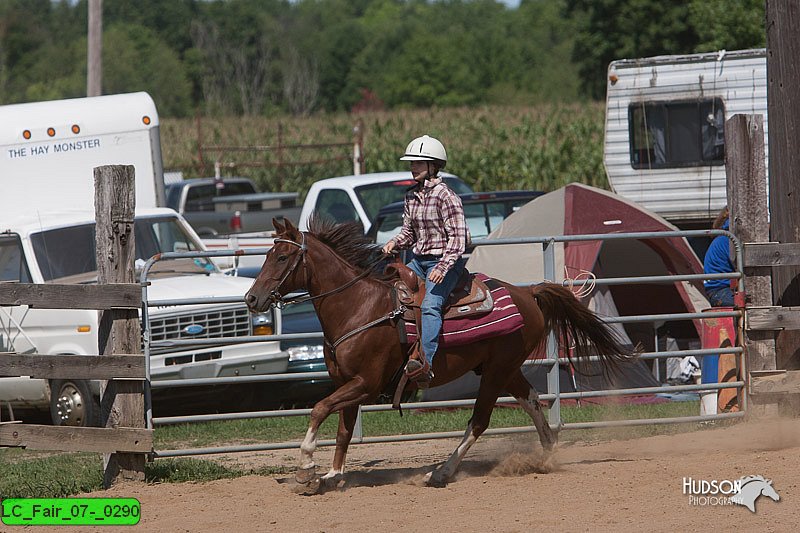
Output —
<point x="282" y="271"/>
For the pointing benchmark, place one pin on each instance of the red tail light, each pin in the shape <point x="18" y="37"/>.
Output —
<point x="236" y="222"/>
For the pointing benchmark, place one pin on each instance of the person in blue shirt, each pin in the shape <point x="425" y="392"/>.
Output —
<point x="718" y="260"/>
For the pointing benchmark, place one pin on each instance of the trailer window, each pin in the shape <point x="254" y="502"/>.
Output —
<point x="677" y="134"/>
<point x="12" y="261"/>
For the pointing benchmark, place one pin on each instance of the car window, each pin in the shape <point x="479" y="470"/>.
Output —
<point x="12" y="261"/>
<point x="336" y="205"/>
<point x="389" y="227"/>
<point x="496" y="213"/>
<point x="201" y="197"/>
<point x="476" y="220"/>
<point x="458" y="186"/>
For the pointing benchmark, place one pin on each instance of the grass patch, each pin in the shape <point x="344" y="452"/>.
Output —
<point x="65" y="474"/>
<point x="293" y="429"/>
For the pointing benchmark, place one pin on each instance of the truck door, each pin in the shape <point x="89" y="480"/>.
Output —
<point x="13" y="269"/>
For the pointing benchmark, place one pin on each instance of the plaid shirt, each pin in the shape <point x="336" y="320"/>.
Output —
<point x="433" y="221"/>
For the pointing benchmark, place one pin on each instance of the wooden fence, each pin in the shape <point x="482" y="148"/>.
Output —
<point x="119" y="363"/>
<point x="747" y="199"/>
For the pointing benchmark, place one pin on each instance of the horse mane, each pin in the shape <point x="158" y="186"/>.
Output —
<point x="347" y="240"/>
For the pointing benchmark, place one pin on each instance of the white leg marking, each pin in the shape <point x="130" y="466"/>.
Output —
<point x="332" y="473"/>
<point x="446" y="471"/>
<point x="307" y="449"/>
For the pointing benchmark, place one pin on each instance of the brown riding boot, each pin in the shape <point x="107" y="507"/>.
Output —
<point x="419" y="372"/>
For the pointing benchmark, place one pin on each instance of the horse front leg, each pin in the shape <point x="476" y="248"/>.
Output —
<point x="347" y="421"/>
<point x="351" y="394"/>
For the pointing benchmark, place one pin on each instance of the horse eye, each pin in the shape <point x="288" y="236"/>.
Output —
<point x="282" y="258"/>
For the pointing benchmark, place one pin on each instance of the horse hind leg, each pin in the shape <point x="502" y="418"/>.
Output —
<point x="481" y="415"/>
<point x="528" y="398"/>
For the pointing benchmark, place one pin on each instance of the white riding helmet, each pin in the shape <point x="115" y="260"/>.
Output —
<point x="425" y="148"/>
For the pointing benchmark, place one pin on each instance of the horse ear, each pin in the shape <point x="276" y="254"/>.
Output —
<point x="291" y="230"/>
<point x="280" y="228"/>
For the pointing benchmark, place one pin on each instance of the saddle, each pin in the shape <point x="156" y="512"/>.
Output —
<point x="470" y="297"/>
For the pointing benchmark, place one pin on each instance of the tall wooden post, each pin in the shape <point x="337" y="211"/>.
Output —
<point x="94" y="51"/>
<point x="121" y="401"/>
<point x="783" y="75"/>
<point x="747" y="201"/>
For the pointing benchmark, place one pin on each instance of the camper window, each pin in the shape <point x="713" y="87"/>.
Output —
<point x="677" y="134"/>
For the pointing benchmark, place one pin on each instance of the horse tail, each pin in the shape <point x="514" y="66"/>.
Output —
<point x="575" y="325"/>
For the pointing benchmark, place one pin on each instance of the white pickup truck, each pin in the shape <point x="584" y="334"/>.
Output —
<point x="59" y="248"/>
<point x="354" y="198"/>
<point x="47" y="154"/>
<point x="358" y="198"/>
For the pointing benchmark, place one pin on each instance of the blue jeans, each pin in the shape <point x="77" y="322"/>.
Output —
<point x="720" y="297"/>
<point x="436" y="295"/>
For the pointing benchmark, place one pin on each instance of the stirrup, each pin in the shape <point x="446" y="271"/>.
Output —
<point x="419" y="373"/>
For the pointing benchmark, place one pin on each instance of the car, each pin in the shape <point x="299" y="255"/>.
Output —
<point x="484" y="211"/>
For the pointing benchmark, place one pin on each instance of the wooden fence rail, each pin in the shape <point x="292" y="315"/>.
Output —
<point x="47" y="296"/>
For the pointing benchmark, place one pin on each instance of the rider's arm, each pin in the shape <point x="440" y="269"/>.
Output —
<point x="455" y="226"/>
<point x="405" y="238"/>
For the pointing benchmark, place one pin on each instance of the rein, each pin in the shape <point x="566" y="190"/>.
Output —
<point x="280" y="302"/>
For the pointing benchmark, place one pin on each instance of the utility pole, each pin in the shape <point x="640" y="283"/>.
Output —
<point x="94" y="55"/>
<point x="783" y="78"/>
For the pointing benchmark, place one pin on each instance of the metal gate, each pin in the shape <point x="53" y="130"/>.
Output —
<point x="552" y="361"/>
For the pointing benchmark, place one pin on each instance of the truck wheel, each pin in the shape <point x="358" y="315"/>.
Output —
<point x="73" y="404"/>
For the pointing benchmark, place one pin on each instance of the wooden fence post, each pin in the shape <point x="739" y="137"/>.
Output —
<point x="745" y="167"/>
<point x="122" y="401"/>
<point x="783" y="76"/>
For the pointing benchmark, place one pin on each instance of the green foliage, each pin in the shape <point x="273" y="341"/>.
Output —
<point x="272" y="57"/>
<point x="616" y="29"/>
<point x="726" y="25"/>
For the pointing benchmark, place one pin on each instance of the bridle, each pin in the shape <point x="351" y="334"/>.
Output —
<point x="280" y="302"/>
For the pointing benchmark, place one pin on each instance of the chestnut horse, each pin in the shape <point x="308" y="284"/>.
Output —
<point x="335" y="264"/>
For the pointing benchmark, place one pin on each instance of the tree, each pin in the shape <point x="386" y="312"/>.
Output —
<point x="616" y="29"/>
<point x="136" y="59"/>
<point x="300" y="82"/>
<point x="725" y="25"/>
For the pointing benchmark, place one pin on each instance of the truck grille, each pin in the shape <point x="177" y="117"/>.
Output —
<point x="230" y="322"/>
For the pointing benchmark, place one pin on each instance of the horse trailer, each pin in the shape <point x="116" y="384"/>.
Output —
<point x="664" y="128"/>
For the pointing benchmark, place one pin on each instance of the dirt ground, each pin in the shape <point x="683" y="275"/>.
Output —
<point x="505" y="484"/>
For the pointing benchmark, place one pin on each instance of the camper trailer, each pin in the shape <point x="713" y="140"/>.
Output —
<point x="664" y="130"/>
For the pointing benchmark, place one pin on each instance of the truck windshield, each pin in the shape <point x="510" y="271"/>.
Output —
<point x="67" y="255"/>
<point x="377" y="195"/>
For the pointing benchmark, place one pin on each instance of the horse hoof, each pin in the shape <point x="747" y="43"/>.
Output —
<point x="333" y="482"/>
<point x="431" y="479"/>
<point x="304" y="475"/>
<point x="308" y="482"/>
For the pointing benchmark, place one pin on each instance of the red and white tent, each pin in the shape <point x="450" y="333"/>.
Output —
<point x="579" y="209"/>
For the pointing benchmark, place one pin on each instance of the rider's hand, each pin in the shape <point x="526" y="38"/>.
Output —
<point x="388" y="247"/>
<point x="435" y="276"/>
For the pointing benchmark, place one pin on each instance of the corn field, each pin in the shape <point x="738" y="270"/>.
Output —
<point x="491" y="148"/>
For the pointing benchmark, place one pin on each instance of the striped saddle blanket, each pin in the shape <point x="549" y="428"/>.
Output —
<point x="502" y="319"/>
